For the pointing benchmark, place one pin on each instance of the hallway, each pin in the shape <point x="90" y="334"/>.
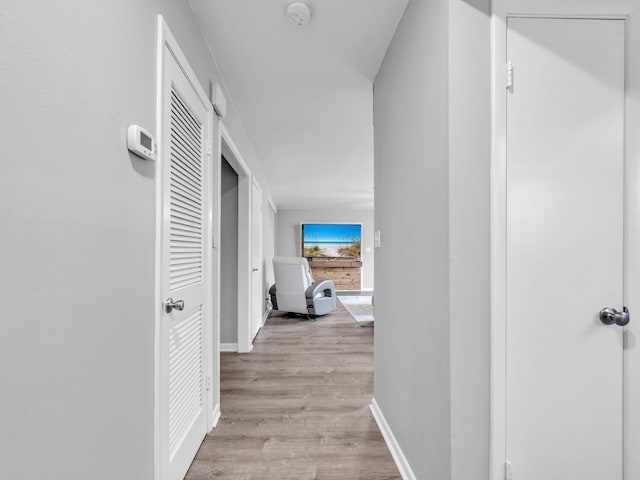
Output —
<point x="297" y="407"/>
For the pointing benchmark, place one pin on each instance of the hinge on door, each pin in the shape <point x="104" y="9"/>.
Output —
<point x="209" y="148"/>
<point x="509" y="75"/>
<point x="208" y="386"/>
<point x="508" y="474"/>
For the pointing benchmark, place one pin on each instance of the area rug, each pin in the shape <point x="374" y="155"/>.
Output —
<point x="360" y="308"/>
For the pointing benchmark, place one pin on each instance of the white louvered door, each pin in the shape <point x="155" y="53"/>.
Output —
<point x="183" y="365"/>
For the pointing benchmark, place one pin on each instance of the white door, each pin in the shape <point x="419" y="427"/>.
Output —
<point x="257" y="292"/>
<point x="565" y="166"/>
<point x="186" y="127"/>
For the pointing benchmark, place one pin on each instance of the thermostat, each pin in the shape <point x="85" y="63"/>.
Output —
<point x="140" y="142"/>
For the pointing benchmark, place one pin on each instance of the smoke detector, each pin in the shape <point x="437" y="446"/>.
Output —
<point x="299" y="13"/>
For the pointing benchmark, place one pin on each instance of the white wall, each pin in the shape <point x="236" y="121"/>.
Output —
<point x="411" y="383"/>
<point x="432" y="140"/>
<point x="469" y="235"/>
<point x="77" y="245"/>
<point x="289" y="242"/>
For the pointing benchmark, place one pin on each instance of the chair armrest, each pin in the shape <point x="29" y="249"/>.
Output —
<point x="273" y="296"/>
<point x="326" y="287"/>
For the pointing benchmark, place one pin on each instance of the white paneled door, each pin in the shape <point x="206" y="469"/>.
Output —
<point x="257" y="291"/>
<point x="564" y="248"/>
<point x="183" y="330"/>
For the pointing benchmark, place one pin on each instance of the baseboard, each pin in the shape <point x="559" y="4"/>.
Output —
<point x="266" y="315"/>
<point x="216" y="416"/>
<point x="392" y="443"/>
<point x="228" y="347"/>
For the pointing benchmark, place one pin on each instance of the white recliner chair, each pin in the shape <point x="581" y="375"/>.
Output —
<point x="295" y="290"/>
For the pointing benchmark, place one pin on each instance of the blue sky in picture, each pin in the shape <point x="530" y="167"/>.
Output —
<point x="331" y="233"/>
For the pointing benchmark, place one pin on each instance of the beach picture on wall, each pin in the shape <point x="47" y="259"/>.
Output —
<point x="334" y="240"/>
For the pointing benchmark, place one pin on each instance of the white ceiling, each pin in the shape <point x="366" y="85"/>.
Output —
<point x="305" y="94"/>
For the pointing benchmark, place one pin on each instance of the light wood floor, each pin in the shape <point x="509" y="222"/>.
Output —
<point x="297" y="407"/>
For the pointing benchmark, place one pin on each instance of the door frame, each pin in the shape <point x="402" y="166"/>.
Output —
<point x="628" y="10"/>
<point x="211" y="325"/>
<point x="254" y="183"/>
<point x="232" y="154"/>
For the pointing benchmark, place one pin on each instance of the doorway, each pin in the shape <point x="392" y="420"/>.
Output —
<point x="228" y="257"/>
<point x="242" y="280"/>
<point x="558" y="370"/>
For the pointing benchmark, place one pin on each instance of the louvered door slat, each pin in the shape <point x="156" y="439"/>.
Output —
<point x="186" y="182"/>
<point x="182" y="422"/>
<point x="188" y="212"/>
<point x="185" y="376"/>
<point x="184" y="214"/>
<point x="182" y="252"/>
<point x="186" y="228"/>
<point x="184" y="232"/>
<point x="187" y="173"/>
<point x="184" y="113"/>
<point x="183" y="257"/>
<point x="185" y="200"/>
<point x="186" y="157"/>
<point x="184" y="118"/>
<point x="184" y="178"/>
<point x="185" y="142"/>
<point x="185" y="277"/>
<point x="182" y="226"/>
<point x="184" y="359"/>
<point x="179" y="238"/>
<point x="186" y="192"/>
<point x="184" y="242"/>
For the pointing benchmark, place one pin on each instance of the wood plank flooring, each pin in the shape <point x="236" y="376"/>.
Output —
<point x="296" y="408"/>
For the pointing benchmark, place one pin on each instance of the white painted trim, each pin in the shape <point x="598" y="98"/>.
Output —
<point x="234" y="157"/>
<point x="394" y="447"/>
<point x="498" y="254"/>
<point x="215" y="214"/>
<point x="216" y="415"/>
<point x="167" y="42"/>
<point x="272" y="206"/>
<point x="254" y="179"/>
<point x="157" y="463"/>
<point x="229" y="149"/>
<point x="229" y="347"/>
<point x="266" y="314"/>
<point x="256" y="184"/>
<point x="503" y="9"/>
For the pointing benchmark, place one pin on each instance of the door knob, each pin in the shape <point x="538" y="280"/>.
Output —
<point x="609" y="316"/>
<point x="170" y="305"/>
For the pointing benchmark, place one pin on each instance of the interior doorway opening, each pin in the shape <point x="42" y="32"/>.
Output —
<point x="228" y="257"/>
<point x="241" y="281"/>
